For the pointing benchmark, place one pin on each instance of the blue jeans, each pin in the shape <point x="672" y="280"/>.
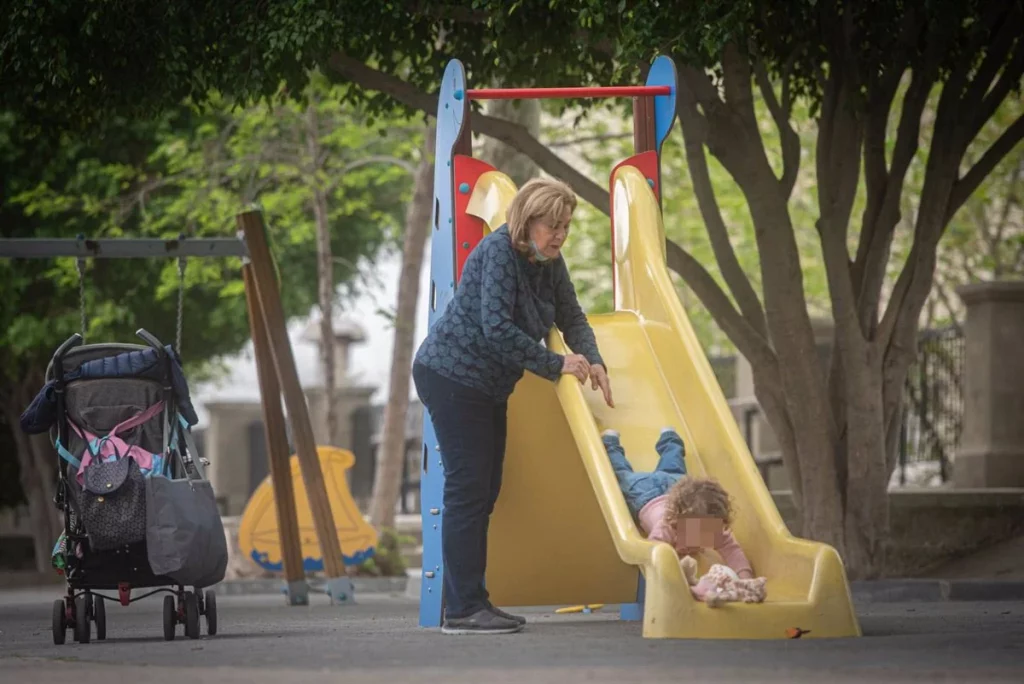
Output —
<point x="471" y="429"/>
<point x="639" y="489"/>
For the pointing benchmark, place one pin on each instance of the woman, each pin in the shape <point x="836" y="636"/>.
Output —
<point x="514" y="288"/>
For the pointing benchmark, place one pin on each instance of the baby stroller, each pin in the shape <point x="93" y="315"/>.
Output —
<point x="139" y="512"/>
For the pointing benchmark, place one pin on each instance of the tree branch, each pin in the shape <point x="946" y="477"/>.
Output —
<point x="700" y="85"/>
<point x="942" y="295"/>
<point x="996" y="52"/>
<point x="969" y="182"/>
<point x="367" y="161"/>
<point x="995" y="242"/>
<point x="507" y="132"/>
<point x="885" y="187"/>
<point x="839" y="144"/>
<point x="736" y="83"/>
<point x="694" y="127"/>
<point x="591" y="138"/>
<point x="1009" y="80"/>
<point x="747" y="340"/>
<point x="781" y="113"/>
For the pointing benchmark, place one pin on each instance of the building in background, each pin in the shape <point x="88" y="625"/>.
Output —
<point x="233" y="437"/>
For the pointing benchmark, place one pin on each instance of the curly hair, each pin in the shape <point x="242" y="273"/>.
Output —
<point x="698" y="497"/>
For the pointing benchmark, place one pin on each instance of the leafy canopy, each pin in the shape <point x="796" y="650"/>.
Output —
<point x="186" y="172"/>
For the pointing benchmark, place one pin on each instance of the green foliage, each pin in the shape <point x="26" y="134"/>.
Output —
<point x="608" y="140"/>
<point x="187" y="172"/>
<point x="387" y="560"/>
<point x="191" y="173"/>
<point x="79" y="62"/>
<point x="974" y="247"/>
<point x="985" y="239"/>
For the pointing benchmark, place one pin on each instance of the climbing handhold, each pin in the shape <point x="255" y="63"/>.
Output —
<point x="463" y="188"/>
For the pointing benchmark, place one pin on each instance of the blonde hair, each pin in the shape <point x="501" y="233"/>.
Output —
<point x="697" y="497"/>
<point x="540" y="199"/>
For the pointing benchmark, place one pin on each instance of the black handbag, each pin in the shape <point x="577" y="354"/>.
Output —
<point x="113" y="504"/>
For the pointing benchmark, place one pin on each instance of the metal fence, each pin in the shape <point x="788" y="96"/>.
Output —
<point x="933" y="408"/>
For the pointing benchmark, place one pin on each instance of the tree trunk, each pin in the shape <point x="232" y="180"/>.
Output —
<point x="867" y="478"/>
<point x="391" y="452"/>
<point x="325" y="278"/>
<point x="505" y="158"/>
<point x="35" y="485"/>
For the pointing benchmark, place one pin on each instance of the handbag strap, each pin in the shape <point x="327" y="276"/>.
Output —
<point x="190" y="446"/>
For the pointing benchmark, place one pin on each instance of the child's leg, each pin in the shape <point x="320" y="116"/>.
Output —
<point x="616" y="454"/>
<point x="671" y="451"/>
<point x="628" y="480"/>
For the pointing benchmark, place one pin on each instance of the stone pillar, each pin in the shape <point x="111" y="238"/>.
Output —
<point x="991" y="450"/>
<point x="230" y="453"/>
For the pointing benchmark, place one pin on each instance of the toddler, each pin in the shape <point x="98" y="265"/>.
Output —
<point x="690" y="513"/>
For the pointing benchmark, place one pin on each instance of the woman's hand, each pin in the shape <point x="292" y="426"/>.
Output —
<point x="599" y="380"/>
<point x="576" y="364"/>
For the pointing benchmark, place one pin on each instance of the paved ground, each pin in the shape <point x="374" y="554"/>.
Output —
<point x="378" y="641"/>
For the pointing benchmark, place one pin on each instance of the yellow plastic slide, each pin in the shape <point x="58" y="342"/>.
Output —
<point x="561" y="532"/>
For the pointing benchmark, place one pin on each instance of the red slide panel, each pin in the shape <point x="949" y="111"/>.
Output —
<point x="469" y="230"/>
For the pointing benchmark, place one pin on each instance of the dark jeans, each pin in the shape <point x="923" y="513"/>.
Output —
<point x="471" y="429"/>
<point x="639" y="489"/>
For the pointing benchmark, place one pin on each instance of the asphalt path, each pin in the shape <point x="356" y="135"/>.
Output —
<point x="262" y="640"/>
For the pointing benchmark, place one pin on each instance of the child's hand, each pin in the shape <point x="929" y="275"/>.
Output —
<point x="689" y="566"/>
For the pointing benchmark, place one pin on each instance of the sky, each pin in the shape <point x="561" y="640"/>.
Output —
<point x="369" y="362"/>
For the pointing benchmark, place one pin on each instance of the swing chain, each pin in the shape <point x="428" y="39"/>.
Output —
<point x="181" y="301"/>
<point x="80" y="267"/>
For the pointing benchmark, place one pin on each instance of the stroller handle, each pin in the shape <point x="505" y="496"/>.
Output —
<point x="66" y="346"/>
<point x="150" y="339"/>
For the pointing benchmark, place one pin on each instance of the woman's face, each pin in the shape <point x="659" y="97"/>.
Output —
<point x="549" y="238"/>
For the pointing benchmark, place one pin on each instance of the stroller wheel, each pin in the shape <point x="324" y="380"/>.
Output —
<point x="60" y="622"/>
<point x="211" y="612"/>
<point x="99" y="615"/>
<point x="83" y="625"/>
<point x="191" y="615"/>
<point x="170" y="618"/>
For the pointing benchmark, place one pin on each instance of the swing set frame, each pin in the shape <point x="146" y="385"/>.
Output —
<point x="275" y="368"/>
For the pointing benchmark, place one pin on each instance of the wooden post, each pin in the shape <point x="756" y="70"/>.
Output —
<point x="251" y="223"/>
<point x="277" y="448"/>
<point x="643" y="124"/>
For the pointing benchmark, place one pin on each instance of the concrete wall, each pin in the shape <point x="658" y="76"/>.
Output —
<point x="233" y="454"/>
<point x="992" y="443"/>
<point x="347" y="400"/>
<point x="932" y="526"/>
<point x="228" y="446"/>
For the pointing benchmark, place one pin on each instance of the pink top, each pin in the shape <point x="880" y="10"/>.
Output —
<point x="652" y="520"/>
<point x="111" y="447"/>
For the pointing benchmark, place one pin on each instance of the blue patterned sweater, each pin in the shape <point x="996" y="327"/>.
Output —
<point x="504" y="306"/>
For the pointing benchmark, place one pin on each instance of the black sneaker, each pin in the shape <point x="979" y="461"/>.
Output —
<point x="508" y="616"/>
<point x="481" y="622"/>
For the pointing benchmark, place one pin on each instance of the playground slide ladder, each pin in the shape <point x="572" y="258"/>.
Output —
<point x="561" y="533"/>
